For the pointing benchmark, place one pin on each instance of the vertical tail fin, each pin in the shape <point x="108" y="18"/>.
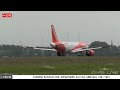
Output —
<point x="54" y="35"/>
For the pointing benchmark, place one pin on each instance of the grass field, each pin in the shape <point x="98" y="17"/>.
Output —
<point x="60" y="65"/>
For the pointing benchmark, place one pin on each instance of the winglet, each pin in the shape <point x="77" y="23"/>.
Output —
<point x="54" y="35"/>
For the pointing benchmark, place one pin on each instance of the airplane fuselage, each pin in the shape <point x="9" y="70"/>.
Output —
<point x="68" y="46"/>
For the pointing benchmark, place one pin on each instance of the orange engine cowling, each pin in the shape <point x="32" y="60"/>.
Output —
<point x="90" y="52"/>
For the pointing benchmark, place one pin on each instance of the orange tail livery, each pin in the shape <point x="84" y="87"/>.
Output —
<point x="54" y="36"/>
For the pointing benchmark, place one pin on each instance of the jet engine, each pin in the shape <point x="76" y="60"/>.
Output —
<point x="90" y="52"/>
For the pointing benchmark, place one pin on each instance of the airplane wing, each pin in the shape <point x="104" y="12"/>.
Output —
<point x="85" y="49"/>
<point x="45" y="48"/>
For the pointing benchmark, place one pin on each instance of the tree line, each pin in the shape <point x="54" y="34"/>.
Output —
<point x="20" y="51"/>
<point x="112" y="50"/>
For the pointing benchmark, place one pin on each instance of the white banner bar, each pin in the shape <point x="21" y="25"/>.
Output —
<point x="65" y="76"/>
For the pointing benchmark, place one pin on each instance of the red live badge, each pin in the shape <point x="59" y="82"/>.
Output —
<point x="6" y="15"/>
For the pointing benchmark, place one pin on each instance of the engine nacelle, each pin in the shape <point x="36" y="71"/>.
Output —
<point x="90" y="52"/>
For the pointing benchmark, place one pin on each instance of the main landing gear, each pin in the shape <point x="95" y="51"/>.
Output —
<point x="60" y="54"/>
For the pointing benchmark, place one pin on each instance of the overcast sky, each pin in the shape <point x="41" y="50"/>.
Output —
<point x="33" y="27"/>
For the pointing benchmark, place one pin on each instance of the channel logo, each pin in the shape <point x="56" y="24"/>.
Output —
<point x="6" y="15"/>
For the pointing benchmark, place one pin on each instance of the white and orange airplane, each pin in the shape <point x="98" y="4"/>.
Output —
<point x="63" y="48"/>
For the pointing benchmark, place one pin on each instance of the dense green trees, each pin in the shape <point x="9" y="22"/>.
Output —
<point x="111" y="50"/>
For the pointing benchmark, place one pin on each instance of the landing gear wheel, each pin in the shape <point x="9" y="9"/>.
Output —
<point x="58" y="53"/>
